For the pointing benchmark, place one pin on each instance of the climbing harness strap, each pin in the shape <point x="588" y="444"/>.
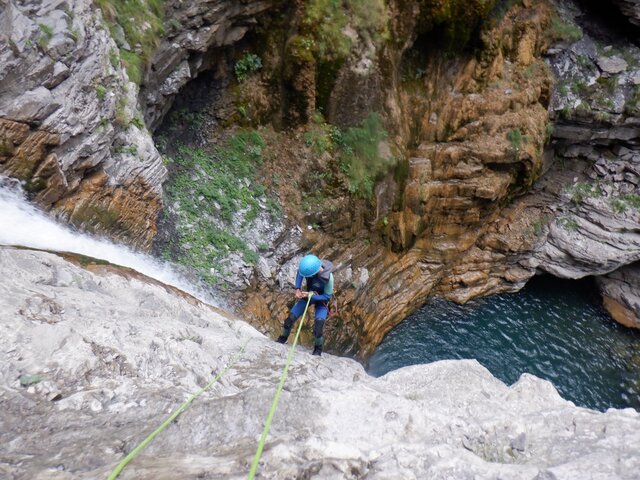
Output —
<point x="274" y="404"/>
<point x="116" y="471"/>
<point x="333" y="305"/>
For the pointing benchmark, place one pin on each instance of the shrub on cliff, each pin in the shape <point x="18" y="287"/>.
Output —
<point x="136" y="26"/>
<point x="360" y="157"/>
<point x="247" y="65"/>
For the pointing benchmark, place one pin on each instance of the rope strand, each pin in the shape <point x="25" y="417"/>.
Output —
<point x="274" y="404"/>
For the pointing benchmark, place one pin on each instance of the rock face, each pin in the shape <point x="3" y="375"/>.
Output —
<point x="92" y="361"/>
<point x="620" y="292"/>
<point x="196" y="36"/>
<point x="479" y="123"/>
<point x="71" y="122"/>
<point x="67" y="121"/>
<point x="630" y="8"/>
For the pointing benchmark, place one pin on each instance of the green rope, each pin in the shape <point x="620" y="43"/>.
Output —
<point x="274" y="404"/>
<point x="116" y="471"/>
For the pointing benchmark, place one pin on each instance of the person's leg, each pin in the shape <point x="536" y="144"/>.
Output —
<point x="290" y="321"/>
<point x="318" y="327"/>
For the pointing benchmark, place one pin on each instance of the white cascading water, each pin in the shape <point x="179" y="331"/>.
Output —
<point x="22" y="224"/>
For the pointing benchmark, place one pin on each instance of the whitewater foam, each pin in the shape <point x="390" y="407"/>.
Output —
<point x="22" y="224"/>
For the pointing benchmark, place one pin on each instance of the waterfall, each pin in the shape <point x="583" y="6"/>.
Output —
<point x="22" y="224"/>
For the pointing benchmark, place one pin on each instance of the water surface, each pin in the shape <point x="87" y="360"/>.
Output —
<point x="554" y="329"/>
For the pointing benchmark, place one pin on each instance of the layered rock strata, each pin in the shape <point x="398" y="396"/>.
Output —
<point x="73" y="126"/>
<point x="68" y="121"/>
<point x="84" y="378"/>
<point x="621" y="294"/>
<point x="480" y="125"/>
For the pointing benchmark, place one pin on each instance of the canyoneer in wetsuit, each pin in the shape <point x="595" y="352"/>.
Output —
<point x="320" y="285"/>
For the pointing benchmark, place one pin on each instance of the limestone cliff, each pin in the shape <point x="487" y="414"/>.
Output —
<point x="472" y="128"/>
<point x="516" y="165"/>
<point x="73" y="119"/>
<point x="68" y="121"/>
<point x="91" y="361"/>
<point x="491" y="162"/>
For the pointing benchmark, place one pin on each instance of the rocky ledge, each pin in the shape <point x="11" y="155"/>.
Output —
<point x="93" y="359"/>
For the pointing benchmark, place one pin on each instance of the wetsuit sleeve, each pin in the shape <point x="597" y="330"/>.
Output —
<point x="328" y="291"/>
<point x="299" y="280"/>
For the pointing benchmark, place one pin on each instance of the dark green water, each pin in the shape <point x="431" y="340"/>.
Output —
<point x="554" y="329"/>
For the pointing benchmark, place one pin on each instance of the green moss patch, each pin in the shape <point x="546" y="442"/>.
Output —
<point x="209" y="188"/>
<point x="141" y="22"/>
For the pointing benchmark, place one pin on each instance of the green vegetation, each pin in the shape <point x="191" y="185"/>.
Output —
<point x="563" y="88"/>
<point x="247" y="65"/>
<point x="142" y="24"/>
<point x="320" y="137"/>
<point x="114" y="58"/>
<point x="537" y="227"/>
<point x="217" y="184"/>
<point x="101" y="92"/>
<point x="45" y="36"/>
<point x="583" y="190"/>
<point x="583" y="60"/>
<point x="620" y="204"/>
<point x="122" y="118"/>
<point x="562" y="31"/>
<point x="324" y="22"/>
<point x="633" y="200"/>
<point x="568" y="223"/>
<point x="608" y="83"/>
<point x="548" y="131"/>
<point x="134" y="65"/>
<point x="322" y="39"/>
<point x="632" y="106"/>
<point x="138" y="122"/>
<point x="184" y="117"/>
<point x="360" y="159"/>
<point x="516" y="138"/>
<point x="578" y="87"/>
<point x="46" y="30"/>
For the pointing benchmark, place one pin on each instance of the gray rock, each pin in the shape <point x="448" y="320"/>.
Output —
<point x="621" y="290"/>
<point x="33" y="106"/>
<point x="264" y="269"/>
<point x="612" y="65"/>
<point x="60" y="73"/>
<point x="48" y="79"/>
<point x="121" y="362"/>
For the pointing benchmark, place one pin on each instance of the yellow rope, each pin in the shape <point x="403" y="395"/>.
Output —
<point x="116" y="471"/>
<point x="274" y="404"/>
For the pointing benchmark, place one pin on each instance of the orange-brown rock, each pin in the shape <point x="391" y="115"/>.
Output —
<point x="126" y="212"/>
<point x="479" y="126"/>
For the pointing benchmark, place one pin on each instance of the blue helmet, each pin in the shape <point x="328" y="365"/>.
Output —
<point x="309" y="265"/>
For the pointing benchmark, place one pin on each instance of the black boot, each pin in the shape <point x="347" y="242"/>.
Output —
<point x="282" y="339"/>
<point x="317" y="350"/>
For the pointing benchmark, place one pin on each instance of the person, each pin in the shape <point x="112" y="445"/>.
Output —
<point x="320" y="286"/>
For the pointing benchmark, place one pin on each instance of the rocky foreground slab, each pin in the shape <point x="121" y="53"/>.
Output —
<point x="92" y="360"/>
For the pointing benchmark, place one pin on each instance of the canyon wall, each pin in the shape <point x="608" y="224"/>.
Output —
<point x="77" y="101"/>
<point x="510" y="142"/>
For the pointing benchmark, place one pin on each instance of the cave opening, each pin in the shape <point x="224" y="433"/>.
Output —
<point x="606" y="22"/>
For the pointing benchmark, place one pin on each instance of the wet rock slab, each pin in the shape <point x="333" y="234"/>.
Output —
<point x="104" y="358"/>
